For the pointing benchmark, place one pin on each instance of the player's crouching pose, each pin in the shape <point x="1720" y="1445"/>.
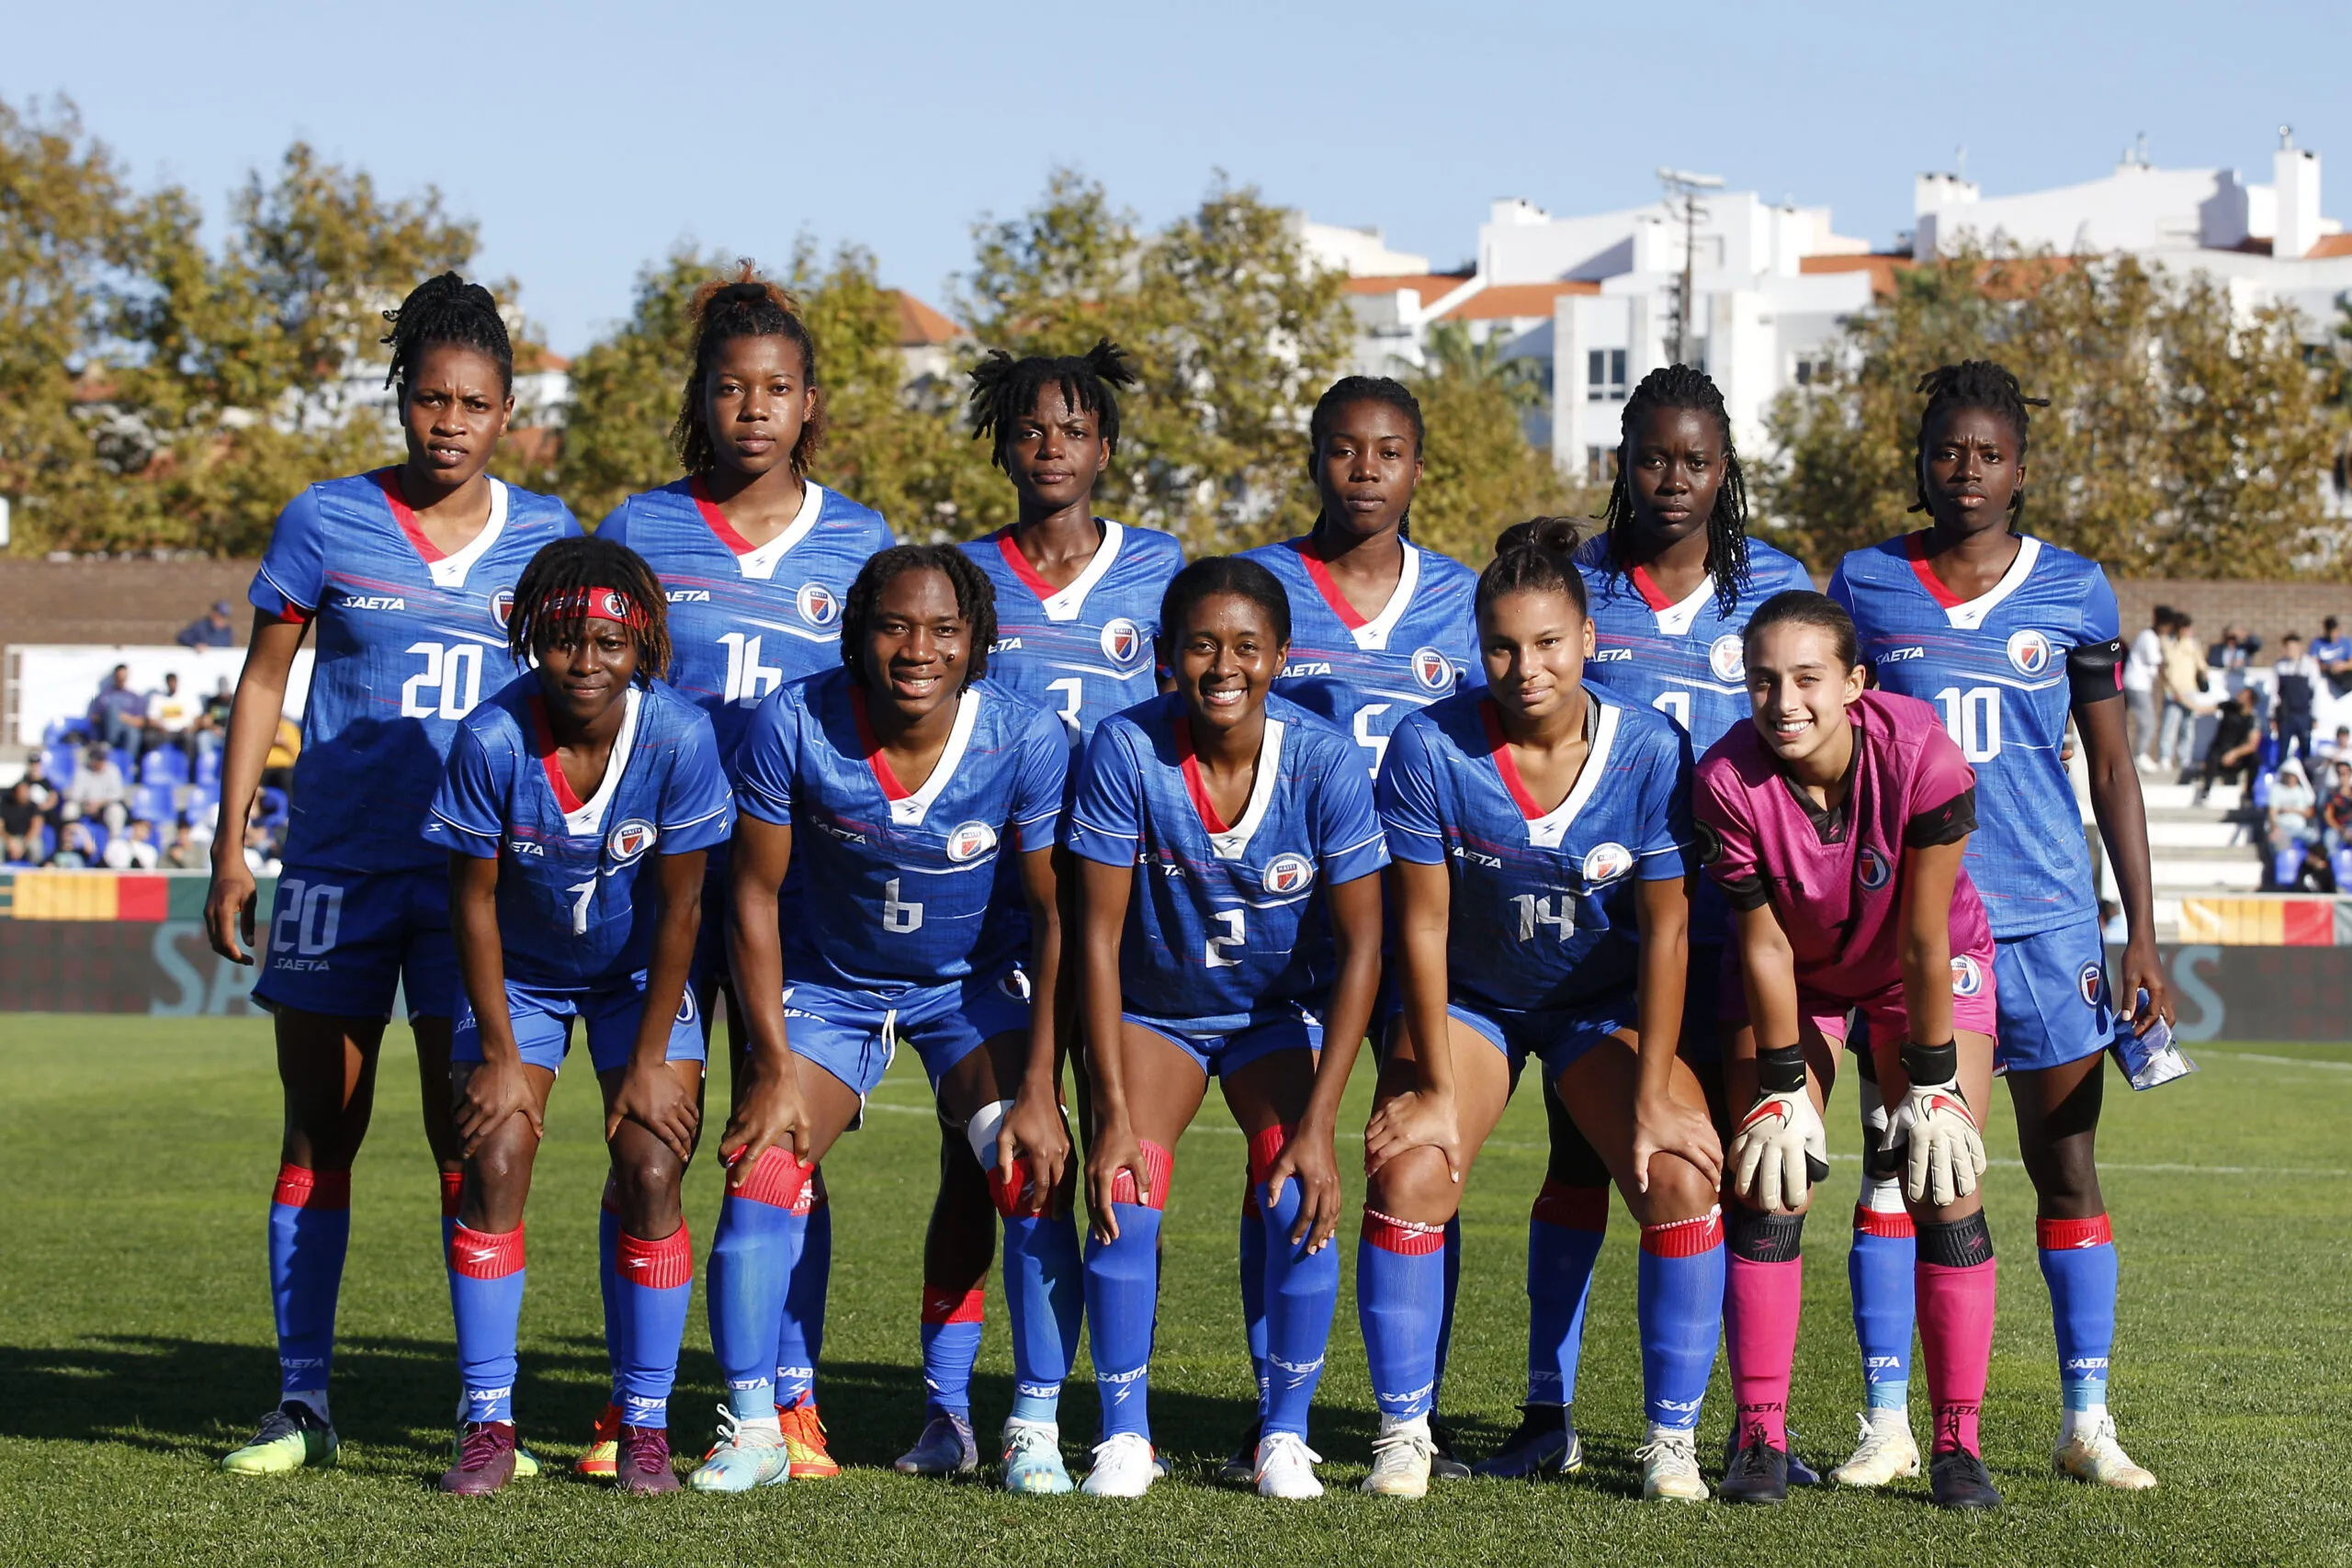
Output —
<point x="561" y="791"/>
<point x="910" y="787"/>
<point x="1542" y="833"/>
<point x="1834" y="823"/>
<point x="1227" y="846"/>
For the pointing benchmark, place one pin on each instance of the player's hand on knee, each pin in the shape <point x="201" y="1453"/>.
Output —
<point x="1415" y="1118"/>
<point x="1313" y="1162"/>
<point x="1034" y="1141"/>
<point x="651" y="1095"/>
<point x="493" y="1091"/>
<point x="1116" y="1151"/>
<point x="1665" y="1125"/>
<point x="769" y="1115"/>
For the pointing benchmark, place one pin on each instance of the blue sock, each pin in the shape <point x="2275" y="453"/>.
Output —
<point x="1680" y="1306"/>
<point x="1044" y="1294"/>
<point x="1123" y="1300"/>
<point x="951" y="1344"/>
<point x="608" y="1240"/>
<point x="2078" y="1263"/>
<point x="1445" y="1313"/>
<point x="1253" y="1290"/>
<point x="800" y="1337"/>
<point x="1301" y="1291"/>
<point x="761" y="1227"/>
<point x="1880" y="1271"/>
<point x="486" y="1298"/>
<point x="1400" y="1302"/>
<point x="1564" y="1235"/>
<point x="653" y="1282"/>
<point x="310" y="1229"/>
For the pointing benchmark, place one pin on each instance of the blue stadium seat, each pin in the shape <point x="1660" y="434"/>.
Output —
<point x="152" y="803"/>
<point x="273" y="808"/>
<point x="124" y="761"/>
<point x="207" y="766"/>
<point x="62" y="729"/>
<point x="2285" y="863"/>
<point x="2262" y="781"/>
<point x="2344" y="868"/>
<point x="163" y="765"/>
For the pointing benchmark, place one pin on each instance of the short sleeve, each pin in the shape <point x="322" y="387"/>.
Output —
<point x="698" y="809"/>
<point x="468" y="811"/>
<point x="616" y="524"/>
<point x="2095" y="664"/>
<point x="1726" y="840"/>
<point x="1841" y="589"/>
<point x="1106" y="820"/>
<point x="1406" y="796"/>
<point x="1666" y="846"/>
<point x="769" y="758"/>
<point x="1041" y="772"/>
<point x="1348" y="843"/>
<point x="1943" y="805"/>
<point x="292" y="578"/>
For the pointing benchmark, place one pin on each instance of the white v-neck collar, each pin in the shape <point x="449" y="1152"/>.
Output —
<point x="1234" y="842"/>
<point x="451" y="571"/>
<point x="1373" y="635"/>
<point x="590" y="819"/>
<point x="759" y="566"/>
<point x="1971" y="613"/>
<point x="1675" y="619"/>
<point x="1066" y="603"/>
<point x="1547" y="831"/>
<point x="908" y="810"/>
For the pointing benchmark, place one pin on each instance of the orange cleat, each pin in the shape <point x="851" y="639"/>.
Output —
<point x="804" y="1440"/>
<point x="602" y="1460"/>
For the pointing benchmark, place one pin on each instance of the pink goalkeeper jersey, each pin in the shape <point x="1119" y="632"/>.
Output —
<point x="1831" y="876"/>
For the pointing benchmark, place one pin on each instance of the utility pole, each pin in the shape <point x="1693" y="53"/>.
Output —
<point x="1683" y="190"/>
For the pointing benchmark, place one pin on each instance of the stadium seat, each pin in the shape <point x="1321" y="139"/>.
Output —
<point x="124" y="761"/>
<point x="201" y="797"/>
<point x="207" y="766"/>
<point x="2284" y="864"/>
<point x="60" y="731"/>
<point x="152" y="803"/>
<point x="2343" y="865"/>
<point x="163" y="765"/>
<point x="273" y="808"/>
<point x="2262" y="780"/>
<point x="62" y="763"/>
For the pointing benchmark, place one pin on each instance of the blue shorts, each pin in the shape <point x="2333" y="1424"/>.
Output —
<point x="542" y="1018"/>
<point x="1558" y="1037"/>
<point x="852" y="1032"/>
<point x="344" y="942"/>
<point x="1223" y="1054"/>
<point x="2055" y="1005"/>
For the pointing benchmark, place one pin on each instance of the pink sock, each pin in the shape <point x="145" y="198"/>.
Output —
<point x="1760" y="1330"/>
<point x="1956" y="1343"/>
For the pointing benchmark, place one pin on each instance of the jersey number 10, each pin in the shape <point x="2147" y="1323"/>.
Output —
<point x="1973" y="719"/>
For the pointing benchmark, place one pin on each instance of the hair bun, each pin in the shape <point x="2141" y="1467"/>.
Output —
<point x="1556" y="533"/>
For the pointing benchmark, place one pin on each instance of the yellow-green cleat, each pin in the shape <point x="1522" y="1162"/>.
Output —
<point x="292" y="1436"/>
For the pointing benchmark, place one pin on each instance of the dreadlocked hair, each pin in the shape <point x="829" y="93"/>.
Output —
<point x="1350" y="389"/>
<point x="1683" y="386"/>
<point x="975" y="600"/>
<point x="446" y="310"/>
<point x="1534" y="557"/>
<point x="1972" y="384"/>
<point x="1005" y="390"/>
<point x="1211" y="576"/>
<point x="551" y="599"/>
<point x="723" y="311"/>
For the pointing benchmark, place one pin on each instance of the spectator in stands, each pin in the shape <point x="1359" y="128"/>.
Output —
<point x="132" y="848"/>
<point x="187" y="851"/>
<point x="277" y="767"/>
<point x="2335" y="811"/>
<point x="2299" y="682"/>
<point x="2332" y="652"/>
<point x="2183" y="684"/>
<point x="212" y="723"/>
<point x="44" y="789"/>
<point x="2314" y="872"/>
<point x="261" y="846"/>
<point x="119" y="714"/>
<point x="171" y="720"/>
<point x="97" y="783"/>
<point x="2291" y="806"/>
<point x="76" y="845"/>
<point x="212" y="629"/>
<point x="20" y="818"/>
<point x="2237" y="743"/>
<point x="2339" y="746"/>
<point x="2141" y="667"/>
<point x="2233" y="650"/>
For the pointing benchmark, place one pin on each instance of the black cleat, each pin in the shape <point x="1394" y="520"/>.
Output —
<point x="1959" y="1480"/>
<point x="1545" y="1442"/>
<point x="1241" y="1469"/>
<point x="1758" y="1472"/>
<point x="1800" y="1473"/>
<point x="1443" y="1466"/>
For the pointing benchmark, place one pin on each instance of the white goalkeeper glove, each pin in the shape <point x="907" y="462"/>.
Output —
<point x="1934" y="1130"/>
<point x="1779" y="1150"/>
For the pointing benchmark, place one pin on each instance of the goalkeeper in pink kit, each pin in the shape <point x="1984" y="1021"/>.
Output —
<point x="1834" y="823"/>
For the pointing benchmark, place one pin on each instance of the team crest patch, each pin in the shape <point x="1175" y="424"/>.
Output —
<point x="630" y="841"/>
<point x="2029" y="652"/>
<point x="614" y="606"/>
<point x="2090" y="984"/>
<point x="501" y="604"/>
<point x="1607" y="862"/>
<point x="1727" y="656"/>
<point x="1122" y="640"/>
<point x="970" y="841"/>
<point x="1432" y="669"/>
<point x="816" y="605"/>
<point x="1288" y="873"/>
<point x="1967" y="979"/>
<point x="1872" y="869"/>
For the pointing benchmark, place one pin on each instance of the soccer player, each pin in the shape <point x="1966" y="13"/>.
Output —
<point x="1384" y="629"/>
<point x="1078" y="611"/>
<point x="2008" y="636"/>
<point x="914" y="790"/>
<point x="1542" y="834"/>
<point x="408" y="572"/>
<point x="560" y="790"/>
<point x="1834" y="822"/>
<point x="1227" y="846"/>
<point x="756" y="559"/>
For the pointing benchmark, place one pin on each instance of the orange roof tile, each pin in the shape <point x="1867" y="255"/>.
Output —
<point x="1431" y="285"/>
<point x="919" y="325"/>
<point x="1512" y="302"/>
<point x="1881" y="265"/>
<point x="2330" y="245"/>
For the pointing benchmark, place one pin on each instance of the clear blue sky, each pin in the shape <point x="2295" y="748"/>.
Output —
<point x="589" y="138"/>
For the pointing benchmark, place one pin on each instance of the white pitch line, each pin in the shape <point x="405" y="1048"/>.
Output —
<point x="2279" y="1061"/>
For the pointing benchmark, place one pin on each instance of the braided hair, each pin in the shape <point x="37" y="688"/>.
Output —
<point x="1972" y="384"/>
<point x="1350" y="389"/>
<point x="1213" y="575"/>
<point x="1683" y="386"/>
<point x="975" y="600"/>
<point x="551" y="599"/>
<point x="446" y="310"/>
<point x="1005" y="390"/>
<point x="748" y="305"/>
<point x="1534" y="557"/>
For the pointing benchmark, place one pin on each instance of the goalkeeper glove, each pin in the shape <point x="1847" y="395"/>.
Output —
<point x="1779" y="1150"/>
<point x="1934" y="1128"/>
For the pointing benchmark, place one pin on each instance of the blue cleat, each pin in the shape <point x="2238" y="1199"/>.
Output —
<point x="945" y="1447"/>
<point x="748" y="1454"/>
<point x="1033" y="1459"/>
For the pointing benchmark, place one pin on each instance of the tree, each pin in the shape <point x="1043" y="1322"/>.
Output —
<point x="1481" y="472"/>
<point x="624" y="392"/>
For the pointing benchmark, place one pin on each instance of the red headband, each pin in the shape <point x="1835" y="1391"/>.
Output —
<point x="592" y="605"/>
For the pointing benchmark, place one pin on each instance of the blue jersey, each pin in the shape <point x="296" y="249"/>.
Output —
<point x="409" y="640"/>
<point x="1364" y="675"/>
<point x="745" y="621"/>
<point x="900" y="877"/>
<point x="1684" y="660"/>
<point x="1084" y="652"/>
<point x="1225" y="923"/>
<point x="1544" y="912"/>
<point x="2004" y="669"/>
<point x="570" y="908"/>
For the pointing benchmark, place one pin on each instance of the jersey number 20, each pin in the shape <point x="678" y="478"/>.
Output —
<point x="448" y="685"/>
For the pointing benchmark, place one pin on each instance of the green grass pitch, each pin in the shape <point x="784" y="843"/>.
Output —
<point x="135" y="1346"/>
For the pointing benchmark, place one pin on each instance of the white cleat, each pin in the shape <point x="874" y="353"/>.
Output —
<point x="1400" y="1458"/>
<point x="1887" y="1451"/>
<point x="1286" y="1468"/>
<point x="2095" y="1456"/>
<point x="1670" y="1467"/>
<point x="1125" y="1466"/>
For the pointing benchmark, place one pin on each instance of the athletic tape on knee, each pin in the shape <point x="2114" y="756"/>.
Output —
<point x="1158" y="1165"/>
<point x="1763" y="1238"/>
<point x="1964" y="1243"/>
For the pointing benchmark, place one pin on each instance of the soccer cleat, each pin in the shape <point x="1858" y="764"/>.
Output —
<point x="1125" y="1466"/>
<point x="1670" y="1467"/>
<point x="1959" y="1480"/>
<point x="527" y="1463"/>
<point x="1400" y="1458"/>
<point x="485" y="1459"/>
<point x="1286" y="1468"/>
<point x="1240" y="1467"/>
<point x="603" y="1457"/>
<point x="1887" y="1451"/>
<point x="945" y="1447"/>
<point x="1546" y="1441"/>
<point x="1443" y="1466"/>
<point x="2095" y="1456"/>
<point x="290" y="1438"/>
<point x="1033" y="1459"/>
<point x="643" y="1465"/>
<point x="804" y="1438"/>
<point x="1758" y="1472"/>
<point x="1800" y="1473"/>
<point x="746" y="1455"/>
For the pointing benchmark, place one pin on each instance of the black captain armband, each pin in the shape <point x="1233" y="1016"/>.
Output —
<point x="1945" y="824"/>
<point x="2095" y="672"/>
